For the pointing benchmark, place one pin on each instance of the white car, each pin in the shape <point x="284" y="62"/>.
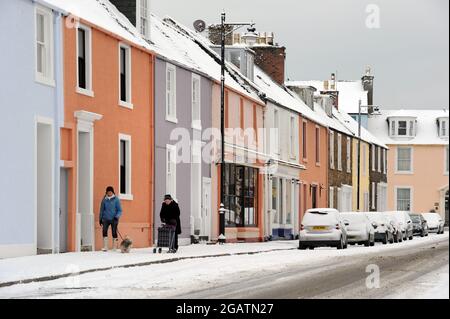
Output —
<point x="435" y="222"/>
<point x="322" y="227"/>
<point x="405" y="222"/>
<point x="384" y="231"/>
<point x="359" y="228"/>
<point x="398" y="235"/>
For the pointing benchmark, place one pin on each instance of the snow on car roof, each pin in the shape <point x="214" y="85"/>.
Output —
<point x="426" y="127"/>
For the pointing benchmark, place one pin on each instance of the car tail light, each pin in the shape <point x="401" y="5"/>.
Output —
<point x="302" y="227"/>
<point x="337" y="226"/>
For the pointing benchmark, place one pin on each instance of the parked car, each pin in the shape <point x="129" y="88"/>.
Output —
<point x="398" y="235"/>
<point x="322" y="227"/>
<point x="435" y="222"/>
<point x="420" y="225"/>
<point x="405" y="223"/>
<point x="360" y="229"/>
<point x="384" y="232"/>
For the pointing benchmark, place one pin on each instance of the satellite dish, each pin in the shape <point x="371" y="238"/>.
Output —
<point x="199" y="25"/>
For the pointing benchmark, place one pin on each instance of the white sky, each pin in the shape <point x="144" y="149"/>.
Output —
<point x="408" y="53"/>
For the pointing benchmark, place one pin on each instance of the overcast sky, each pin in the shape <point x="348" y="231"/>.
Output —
<point x="408" y="53"/>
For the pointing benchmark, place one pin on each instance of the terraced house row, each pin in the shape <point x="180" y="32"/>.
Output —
<point x="105" y="93"/>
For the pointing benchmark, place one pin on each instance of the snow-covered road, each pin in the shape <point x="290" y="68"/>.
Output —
<point x="320" y="273"/>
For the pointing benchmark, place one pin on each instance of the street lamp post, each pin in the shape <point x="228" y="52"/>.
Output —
<point x="223" y="34"/>
<point x="359" y="157"/>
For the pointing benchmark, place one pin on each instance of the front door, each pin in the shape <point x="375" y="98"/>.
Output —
<point x="85" y="192"/>
<point x="205" y="231"/>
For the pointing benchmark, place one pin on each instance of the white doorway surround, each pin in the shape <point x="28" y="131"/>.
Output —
<point x="205" y="230"/>
<point x="85" y="221"/>
<point x="44" y="185"/>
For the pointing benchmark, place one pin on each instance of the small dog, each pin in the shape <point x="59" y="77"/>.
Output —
<point x="125" y="245"/>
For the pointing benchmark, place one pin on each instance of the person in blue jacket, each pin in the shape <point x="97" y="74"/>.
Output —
<point x="110" y="212"/>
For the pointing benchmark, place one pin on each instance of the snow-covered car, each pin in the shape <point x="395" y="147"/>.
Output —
<point x="405" y="223"/>
<point x="384" y="232"/>
<point x="398" y="235"/>
<point x="435" y="222"/>
<point x="360" y="229"/>
<point x="322" y="227"/>
<point x="420" y="225"/>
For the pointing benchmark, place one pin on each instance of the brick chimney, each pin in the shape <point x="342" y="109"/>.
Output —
<point x="271" y="59"/>
<point x="329" y="88"/>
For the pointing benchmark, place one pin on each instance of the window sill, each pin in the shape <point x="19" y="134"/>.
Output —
<point x="404" y="173"/>
<point x="127" y="105"/>
<point x="86" y="92"/>
<point x="126" y="197"/>
<point x="171" y="119"/>
<point x="317" y="164"/>
<point x="45" y="81"/>
<point x="196" y="127"/>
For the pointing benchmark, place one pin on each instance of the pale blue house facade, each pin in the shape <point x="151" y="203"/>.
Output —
<point x="31" y="104"/>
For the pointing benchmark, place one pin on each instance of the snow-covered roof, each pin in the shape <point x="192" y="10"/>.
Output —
<point x="352" y="125"/>
<point x="103" y="14"/>
<point x="176" y="42"/>
<point x="350" y="92"/>
<point x="426" y="129"/>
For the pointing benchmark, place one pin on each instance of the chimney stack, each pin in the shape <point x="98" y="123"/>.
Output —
<point x="367" y="82"/>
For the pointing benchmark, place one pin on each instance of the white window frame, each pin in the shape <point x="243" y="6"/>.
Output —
<point x="331" y="149"/>
<point x="339" y="154"/>
<point x="196" y="122"/>
<point x="146" y="16"/>
<point x="411" y="200"/>
<point x="128" y="103"/>
<point x="410" y="127"/>
<point x="171" y="165"/>
<point x="317" y="146"/>
<point x="411" y="171"/>
<point x="276" y="125"/>
<point x="88" y="47"/>
<point x="374" y="188"/>
<point x="172" y="90"/>
<point x="129" y="194"/>
<point x="292" y="139"/>
<point x="384" y="161"/>
<point x="46" y="77"/>
<point x="349" y="156"/>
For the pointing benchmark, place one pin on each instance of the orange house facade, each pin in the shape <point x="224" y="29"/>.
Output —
<point x="107" y="136"/>
<point x="244" y="183"/>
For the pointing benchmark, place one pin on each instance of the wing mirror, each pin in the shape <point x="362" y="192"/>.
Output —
<point x="375" y="225"/>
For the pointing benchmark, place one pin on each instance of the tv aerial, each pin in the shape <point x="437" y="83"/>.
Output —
<point x="199" y="25"/>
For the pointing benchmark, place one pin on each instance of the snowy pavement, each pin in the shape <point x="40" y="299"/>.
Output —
<point x="180" y="277"/>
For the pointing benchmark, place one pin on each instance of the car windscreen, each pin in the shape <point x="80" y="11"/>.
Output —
<point x="376" y="217"/>
<point x="431" y="217"/>
<point x="415" y="218"/>
<point x="354" y="218"/>
<point x="319" y="218"/>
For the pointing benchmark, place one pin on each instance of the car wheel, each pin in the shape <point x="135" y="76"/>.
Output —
<point x="301" y="247"/>
<point x="385" y="239"/>
<point x="422" y="234"/>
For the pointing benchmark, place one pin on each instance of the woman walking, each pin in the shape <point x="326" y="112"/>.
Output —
<point x="110" y="212"/>
<point x="170" y="214"/>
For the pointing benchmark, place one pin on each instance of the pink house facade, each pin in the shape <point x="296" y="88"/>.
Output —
<point x="418" y="161"/>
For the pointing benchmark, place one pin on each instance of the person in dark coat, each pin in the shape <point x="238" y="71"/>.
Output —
<point x="170" y="214"/>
